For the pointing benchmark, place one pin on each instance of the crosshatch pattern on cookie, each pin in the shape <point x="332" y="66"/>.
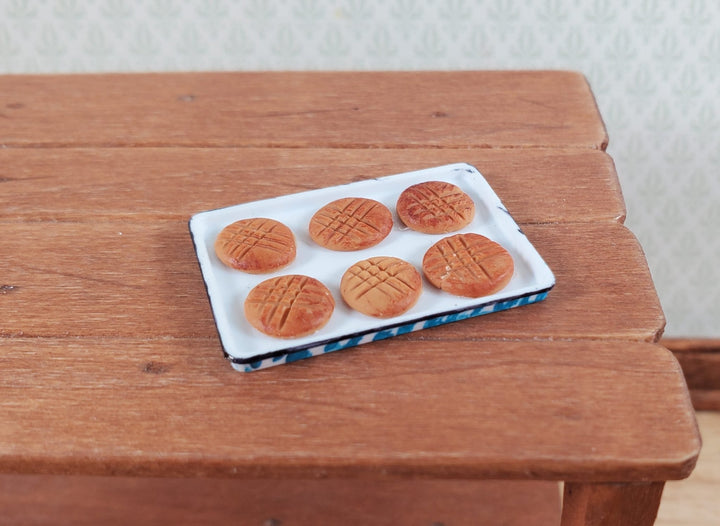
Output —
<point x="351" y="223"/>
<point x="381" y="286"/>
<point x="256" y="245"/>
<point x="468" y="265"/>
<point x="435" y="207"/>
<point x="289" y="306"/>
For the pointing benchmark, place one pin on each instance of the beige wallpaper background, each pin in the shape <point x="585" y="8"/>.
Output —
<point x="654" y="66"/>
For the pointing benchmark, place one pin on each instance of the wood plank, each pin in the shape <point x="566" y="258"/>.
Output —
<point x="577" y="411"/>
<point x="137" y="279"/>
<point x="537" y="186"/>
<point x="55" y="500"/>
<point x="611" y="504"/>
<point x="302" y="109"/>
<point x="700" y="361"/>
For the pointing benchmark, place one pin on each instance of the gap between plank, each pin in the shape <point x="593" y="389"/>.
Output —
<point x="279" y="145"/>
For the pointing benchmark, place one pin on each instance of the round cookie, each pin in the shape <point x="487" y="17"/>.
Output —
<point x="381" y="286"/>
<point x="468" y="265"/>
<point x="435" y="207"/>
<point x="289" y="306"/>
<point x="351" y="223"/>
<point x="256" y="245"/>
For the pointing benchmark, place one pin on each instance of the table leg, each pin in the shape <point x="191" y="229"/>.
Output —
<point x="611" y="504"/>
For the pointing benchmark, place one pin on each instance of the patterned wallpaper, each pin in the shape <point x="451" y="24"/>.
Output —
<point x="654" y="66"/>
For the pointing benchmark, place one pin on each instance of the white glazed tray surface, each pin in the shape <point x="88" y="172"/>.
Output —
<point x="250" y="350"/>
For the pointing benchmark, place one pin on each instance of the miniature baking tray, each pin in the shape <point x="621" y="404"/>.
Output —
<point x="249" y="350"/>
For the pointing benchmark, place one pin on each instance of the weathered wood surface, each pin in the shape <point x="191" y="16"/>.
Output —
<point x="145" y="184"/>
<point x="142" y="279"/>
<point x="35" y="500"/>
<point x="354" y="109"/>
<point x="519" y="410"/>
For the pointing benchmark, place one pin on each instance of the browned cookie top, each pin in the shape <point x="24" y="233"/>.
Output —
<point x="468" y="265"/>
<point x="351" y="223"/>
<point x="435" y="207"/>
<point x="381" y="286"/>
<point x="289" y="306"/>
<point x="256" y="245"/>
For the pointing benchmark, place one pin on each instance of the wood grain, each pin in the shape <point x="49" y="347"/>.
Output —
<point x="300" y="109"/>
<point x="111" y="365"/>
<point x="517" y="410"/>
<point x="146" y="184"/>
<point x="611" y="504"/>
<point x="135" y="279"/>
<point x="35" y="500"/>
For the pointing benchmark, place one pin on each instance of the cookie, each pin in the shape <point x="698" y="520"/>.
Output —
<point x="351" y="223"/>
<point x="468" y="265"/>
<point x="381" y="286"/>
<point x="289" y="306"/>
<point x="256" y="245"/>
<point x="435" y="207"/>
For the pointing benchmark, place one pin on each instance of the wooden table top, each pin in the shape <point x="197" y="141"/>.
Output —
<point x="110" y="361"/>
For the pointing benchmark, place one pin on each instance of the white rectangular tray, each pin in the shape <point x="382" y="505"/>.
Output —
<point x="249" y="350"/>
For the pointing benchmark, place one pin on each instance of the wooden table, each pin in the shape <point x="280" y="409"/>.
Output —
<point x="117" y="406"/>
